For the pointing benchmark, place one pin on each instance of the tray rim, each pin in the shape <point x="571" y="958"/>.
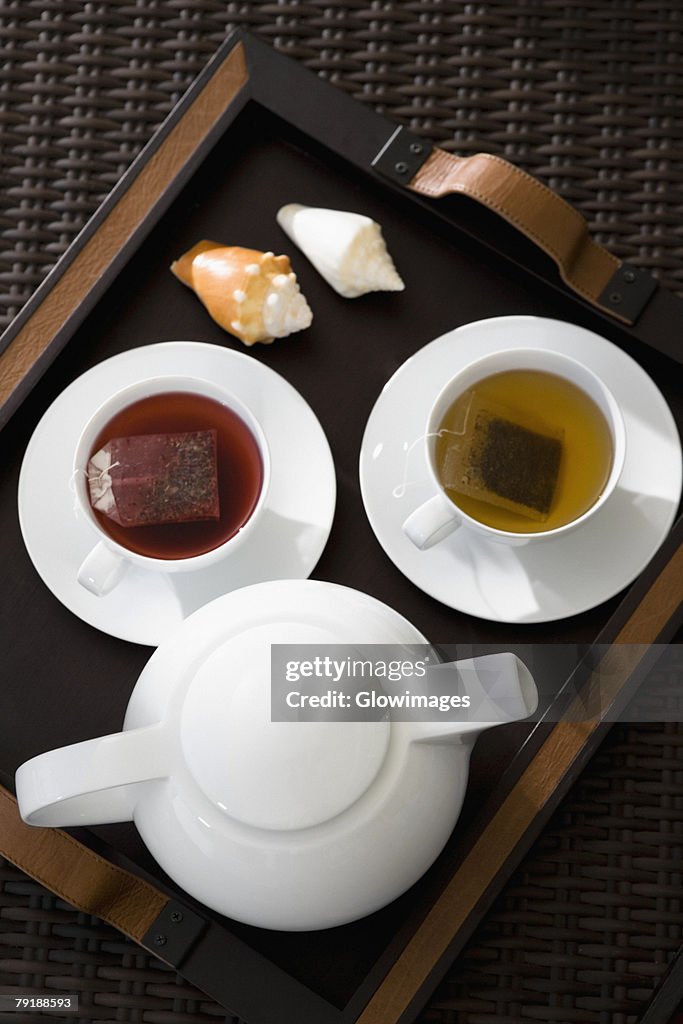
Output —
<point x="245" y="70"/>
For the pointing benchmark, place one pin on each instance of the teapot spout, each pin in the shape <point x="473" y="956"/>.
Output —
<point x="493" y="688"/>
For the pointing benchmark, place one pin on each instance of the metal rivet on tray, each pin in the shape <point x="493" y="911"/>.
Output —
<point x="401" y="167"/>
<point x="159" y="940"/>
<point x="415" y="147"/>
<point x="176" y="916"/>
<point x="629" y="277"/>
<point x="615" y="298"/>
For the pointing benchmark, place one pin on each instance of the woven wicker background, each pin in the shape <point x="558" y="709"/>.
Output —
<point x="589" y="97"/>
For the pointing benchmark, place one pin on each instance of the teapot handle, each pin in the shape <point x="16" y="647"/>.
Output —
<point x="91" y="783"/>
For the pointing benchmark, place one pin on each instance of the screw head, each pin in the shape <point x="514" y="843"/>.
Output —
<point x="401" y="167"/>
<point x="615" y="298"/>
<point x="415" y="147"/>
<point x="176" y="916"/>
<point x="629" y="276"/>
<point x="159" y="940"/>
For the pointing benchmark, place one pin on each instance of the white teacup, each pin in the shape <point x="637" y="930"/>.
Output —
<point x="439" y="516"/>
<point x="105" y="565"/>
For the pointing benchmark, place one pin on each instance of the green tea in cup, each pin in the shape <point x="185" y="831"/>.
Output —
<point x="524" y="451"/>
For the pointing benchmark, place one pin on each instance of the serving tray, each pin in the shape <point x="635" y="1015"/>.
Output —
<point x="254" y="132"/>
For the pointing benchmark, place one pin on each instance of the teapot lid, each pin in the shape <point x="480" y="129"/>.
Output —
<point x="214" y="680"/>
<point x="271" y="775"/>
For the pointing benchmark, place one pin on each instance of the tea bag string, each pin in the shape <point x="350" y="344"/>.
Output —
<point x="97" y="477"/>
<point x="400" y="490"/>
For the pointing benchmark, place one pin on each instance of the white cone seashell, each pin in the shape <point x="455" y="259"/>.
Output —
<point x="346" y="248"/>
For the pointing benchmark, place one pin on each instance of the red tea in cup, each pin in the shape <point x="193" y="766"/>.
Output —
<point x="214" y="487"/>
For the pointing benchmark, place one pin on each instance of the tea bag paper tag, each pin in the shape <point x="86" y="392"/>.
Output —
<point x="100" y="482"/>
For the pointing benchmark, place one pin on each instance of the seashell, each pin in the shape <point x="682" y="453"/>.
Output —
<point x="346" y="248"/>
<point x="253" y="295"/>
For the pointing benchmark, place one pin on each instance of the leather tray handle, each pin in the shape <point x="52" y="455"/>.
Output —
<point x="79" y="875"/>
<point x="161" y="924"/>
<point x="539" y="213"/>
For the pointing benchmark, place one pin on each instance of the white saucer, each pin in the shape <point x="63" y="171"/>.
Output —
<point x="146" y="606"/>
<point x="552" y="579"/>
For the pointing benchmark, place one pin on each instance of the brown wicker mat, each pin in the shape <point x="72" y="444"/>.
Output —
<point x="587" y="96"/>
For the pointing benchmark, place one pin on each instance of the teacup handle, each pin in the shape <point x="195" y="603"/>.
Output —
<point x="91" y="783"/>
<point x="102" y="570"/>
<point x="431" y="522"/>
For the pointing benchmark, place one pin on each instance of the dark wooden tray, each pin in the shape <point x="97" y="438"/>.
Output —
<point x="254" y="132"/>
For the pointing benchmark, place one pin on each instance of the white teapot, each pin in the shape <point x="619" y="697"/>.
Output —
<point x="287" y="825"/>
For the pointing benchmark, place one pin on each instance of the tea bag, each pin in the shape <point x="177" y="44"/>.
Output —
<point x="149" y="479"/>
<point x="505" y="458"/>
